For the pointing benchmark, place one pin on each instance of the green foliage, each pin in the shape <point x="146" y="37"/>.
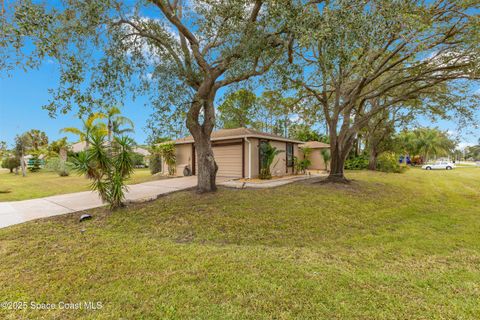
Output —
<point x="11" y="163"/>
<point x="34" y="163"/>
<point x="91" y="127"/>
<point x="301" y="165"/>
<point x="58" y="145"/>
<point x="3" y="148"/>
<point x="326" y="157"/>
<point x="117" y="125"/>
<point x="426" y="142"/>
<point x="473" y="152"/>
<point x="56" y="164"/>
<point x="268" y="154"/>
<point x="138" y="160"/>
<point x="388" y="162"/>
<point x="38" y="139"/>
<point x="108" y="166"/>
<point x="167" y="152"/>
<point x="238" y="109"/>
<point x="305" y="133"/>
<point x="356" y="163"/>
<point x="155" y="163"/>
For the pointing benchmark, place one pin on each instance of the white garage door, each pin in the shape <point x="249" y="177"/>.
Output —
<point x="229" y="160"/>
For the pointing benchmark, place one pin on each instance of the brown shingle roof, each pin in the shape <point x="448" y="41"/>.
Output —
<point x="314" y="145"/>
<point x="224" y="134"/>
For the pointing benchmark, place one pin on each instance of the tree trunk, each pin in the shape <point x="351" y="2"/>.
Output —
<point x="22" y="163"/>
<point x="339" y="149"/>
<point x="372" y="161"/>
<point x="201" y="132"/>
<point x="207" y="167"/>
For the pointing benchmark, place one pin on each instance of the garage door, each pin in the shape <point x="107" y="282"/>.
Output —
<point x="229" y="160"/>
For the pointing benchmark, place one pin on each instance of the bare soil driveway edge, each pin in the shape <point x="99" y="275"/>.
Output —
<point x="15" y="212"/>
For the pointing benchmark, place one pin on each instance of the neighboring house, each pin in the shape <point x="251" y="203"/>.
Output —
<point x="143" y="152"/>
<point x="79" y="147"/>
<point x="82" y="146"/>
<point x="237" y="153"/>
<point x="315" y="157"/>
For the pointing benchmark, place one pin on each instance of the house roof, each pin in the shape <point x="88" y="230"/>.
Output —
<point x="142" y="151"/>
<point x="82" y="146"/>
<point x="79" y="146"/>
<point x="225" y="134"/>
<point x="315" y="145"/>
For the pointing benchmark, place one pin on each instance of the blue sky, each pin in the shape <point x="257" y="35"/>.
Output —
<point x="22" y="95"/>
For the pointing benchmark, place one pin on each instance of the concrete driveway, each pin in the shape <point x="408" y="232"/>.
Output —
<point x="15" y="212"/>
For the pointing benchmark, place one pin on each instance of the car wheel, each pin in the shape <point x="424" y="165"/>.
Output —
<point x="428" y="168"/>
<point x="449" y="168"/>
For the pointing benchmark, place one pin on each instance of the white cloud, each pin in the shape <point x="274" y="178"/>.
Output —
<point x="462" y="145"/>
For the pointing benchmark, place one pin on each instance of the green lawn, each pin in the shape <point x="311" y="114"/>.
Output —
<point x="388" y="246"/>
<point x="45" y="183"/>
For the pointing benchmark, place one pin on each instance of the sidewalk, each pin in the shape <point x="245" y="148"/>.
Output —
<point x="15" y="212"/>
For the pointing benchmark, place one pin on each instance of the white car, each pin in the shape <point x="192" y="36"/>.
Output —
<point x="442" y="165"/>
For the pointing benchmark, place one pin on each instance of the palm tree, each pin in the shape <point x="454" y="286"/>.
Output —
<point x="115" y="121"/>
<point x="433" y="141"/>
<point x="90" y="127"/>
<point x="37" y="138"/>
<point x="268" y="153"/>
<point x="326" y="157"/>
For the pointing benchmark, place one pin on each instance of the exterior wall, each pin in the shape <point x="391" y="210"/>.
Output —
<point x="317" y="160"/>
<point x="183" y="153"/>
<point x="279" y="166"/>
<point x="184" y="157"/>
<point x="255" y="160"/>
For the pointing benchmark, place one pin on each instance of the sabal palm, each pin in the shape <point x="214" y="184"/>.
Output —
<point x="115" y="121"/>
<point x="432" y="141"/>
<point x="90" y="128"/>
<point x="38" y="138"/>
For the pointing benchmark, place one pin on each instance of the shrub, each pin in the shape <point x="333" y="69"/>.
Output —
<point x="59" y="166"/>
<point x="301" y="165"/>
<point x="326" y="157"/>
<point x="265" y="174"/>
<point x="108" y="166"/>
<point x="138" y="160"/>
<point x="11" y="163"/>
<point x="34" y="163"/>
<point x="356" y="163"/>
<point x="155" y="163"/>
<point x="388" y="162"/>
<point x="167" y="152"/>
<point x="269" y="152"/>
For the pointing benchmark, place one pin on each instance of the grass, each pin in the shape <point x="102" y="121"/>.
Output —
<point x="388" y="246"/>
<point x="46" y="183"/>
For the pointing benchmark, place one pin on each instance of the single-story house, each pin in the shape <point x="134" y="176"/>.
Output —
<point x="316" y="157"/>
<point x="237" y="153"/>
<point x="78" y="147"/>
<point x="82" y="146"/>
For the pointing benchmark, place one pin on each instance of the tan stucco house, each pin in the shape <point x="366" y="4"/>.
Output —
<point x="237" y="153"/>
<point x="315" y="157"/>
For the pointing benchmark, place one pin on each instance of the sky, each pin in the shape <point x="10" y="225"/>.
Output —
<point x="22" y="95"/>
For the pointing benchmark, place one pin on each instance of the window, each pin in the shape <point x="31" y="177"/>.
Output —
<point x="289" y="154"/>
